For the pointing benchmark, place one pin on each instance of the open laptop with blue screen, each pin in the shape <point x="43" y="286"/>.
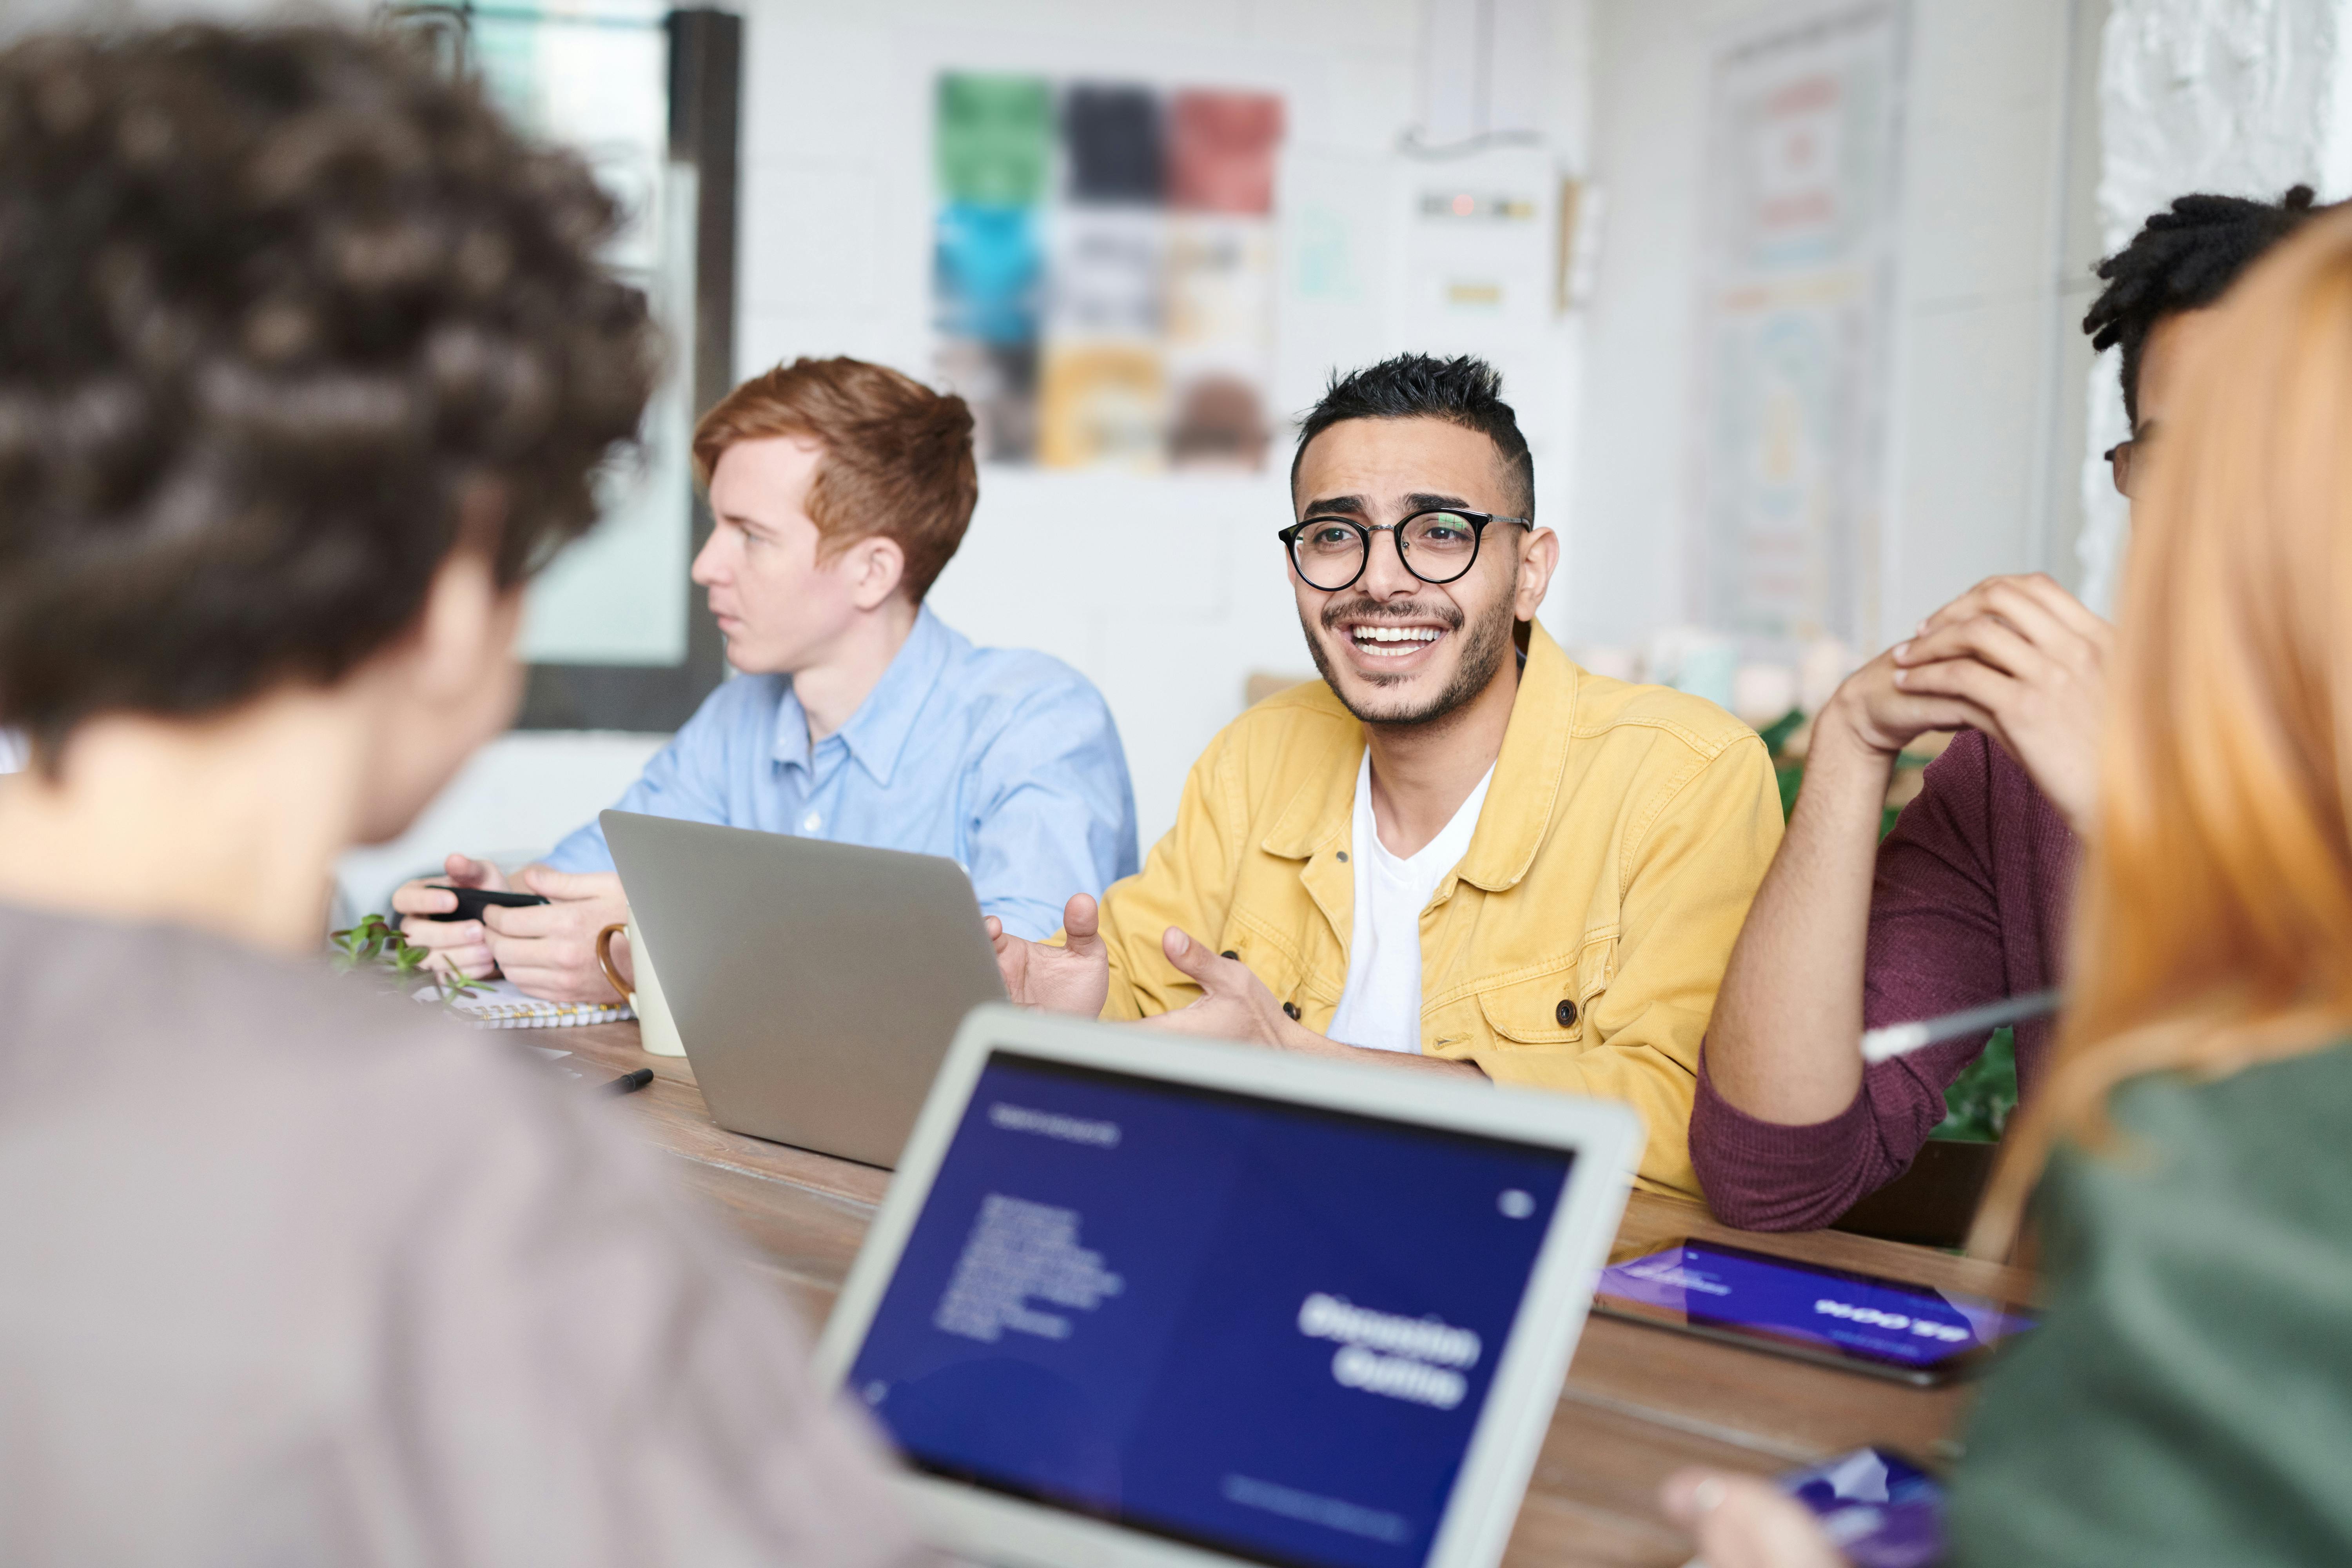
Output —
<point x="1140" y="1299"/>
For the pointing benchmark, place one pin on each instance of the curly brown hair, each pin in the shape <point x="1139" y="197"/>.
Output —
<point x="273" y="302"/>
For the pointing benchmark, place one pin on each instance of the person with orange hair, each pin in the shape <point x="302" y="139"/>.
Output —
<point x="2187" y="1399"/>
<point x="840" y="490"/>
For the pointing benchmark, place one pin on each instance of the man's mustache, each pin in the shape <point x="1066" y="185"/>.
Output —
<point x="1376" y="609"/>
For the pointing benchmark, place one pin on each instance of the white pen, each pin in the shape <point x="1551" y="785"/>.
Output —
<point x="1901" y="1039"/>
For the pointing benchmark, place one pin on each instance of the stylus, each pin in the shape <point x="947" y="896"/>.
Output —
<point x="1902" y="1039"/>
<point x="630" y="1082"/>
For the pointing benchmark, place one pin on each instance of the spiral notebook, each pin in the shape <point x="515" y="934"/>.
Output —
<point x="500" y="1005"/>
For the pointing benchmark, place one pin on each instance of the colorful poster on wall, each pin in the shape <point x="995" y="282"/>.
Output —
<point x="1220" y="153"/>
<point x="1104" y="270"/>
<point x="993" y="155"/>
<point x="1805" y="143"/>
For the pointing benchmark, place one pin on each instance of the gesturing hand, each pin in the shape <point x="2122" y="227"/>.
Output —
<point x="1073" y="978"/>
<point x="550" y="950"/>
<point x="2026" y="655"/>
<point x="460" y="946"/>
<point x="1234" y="1004"/>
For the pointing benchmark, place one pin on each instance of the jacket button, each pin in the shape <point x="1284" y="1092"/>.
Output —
<point x="1229" y="953"/>
<point x="1292" y="1009"/>
<point x="1565" y="1014"/>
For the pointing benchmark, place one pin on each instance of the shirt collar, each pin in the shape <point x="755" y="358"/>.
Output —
<point x="1520" y="801"/>
<point x="1527" y="775"/>
<point x="876" y="733"/>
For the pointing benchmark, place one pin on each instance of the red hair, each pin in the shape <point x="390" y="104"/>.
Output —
<point x="898" y="456"/>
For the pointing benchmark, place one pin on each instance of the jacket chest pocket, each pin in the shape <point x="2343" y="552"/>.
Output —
<point x="1553" y="1008"/>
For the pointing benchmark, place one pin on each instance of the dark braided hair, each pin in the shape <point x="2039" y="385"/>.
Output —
<point x="2183" y="258"/>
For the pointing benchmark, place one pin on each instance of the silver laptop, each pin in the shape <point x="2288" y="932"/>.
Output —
<point x="1139" y="1300"/>
<point x="816" y="986"/>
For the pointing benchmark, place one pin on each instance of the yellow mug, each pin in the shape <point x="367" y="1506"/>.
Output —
<point x="655" y="1032"/>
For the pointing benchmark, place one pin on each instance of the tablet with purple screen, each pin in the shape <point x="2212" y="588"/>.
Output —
<point x="1863" y="1322"/>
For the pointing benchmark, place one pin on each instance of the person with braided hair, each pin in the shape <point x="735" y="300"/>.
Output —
<point x="2185" y="1399"/>
<point x="1966" y="899"/>
<point x="2183" y="259"/>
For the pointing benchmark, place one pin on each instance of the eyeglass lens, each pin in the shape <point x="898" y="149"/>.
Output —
<point x="1437" y="547"/>
<point x="2119" y="464"/>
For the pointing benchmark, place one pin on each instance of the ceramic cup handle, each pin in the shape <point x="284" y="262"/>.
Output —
<point x="605" y="961"/>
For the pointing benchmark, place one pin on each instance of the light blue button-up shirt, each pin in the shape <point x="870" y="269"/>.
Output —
<point x="1002" y="760"/>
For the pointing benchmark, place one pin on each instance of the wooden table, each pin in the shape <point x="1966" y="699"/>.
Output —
<point x="1640" y="1402"/>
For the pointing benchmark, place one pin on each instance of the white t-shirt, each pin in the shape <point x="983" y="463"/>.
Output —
<point x="1380" y="1007"/>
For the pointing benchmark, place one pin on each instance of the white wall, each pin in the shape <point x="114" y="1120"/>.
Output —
<point x="1166" y="591"/>
<point x="2204" y="94"/>
<point x="1989" y="256"/>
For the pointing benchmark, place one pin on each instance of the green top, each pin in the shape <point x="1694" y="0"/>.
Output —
<point x="2189" y="1398"/>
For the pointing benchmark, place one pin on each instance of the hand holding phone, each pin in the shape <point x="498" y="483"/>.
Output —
<point x="472" y="901"/>
<point x="1868" y="1509"/>
<point x="1877" y="1507"/>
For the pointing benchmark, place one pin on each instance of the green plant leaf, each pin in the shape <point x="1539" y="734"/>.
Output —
<point x="1776" y="734"/>
<point x="1978" y="1105"/>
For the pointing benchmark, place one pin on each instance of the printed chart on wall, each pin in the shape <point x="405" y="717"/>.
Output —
<point x="1804" y="144"/>
<point x="1103" y="269"/>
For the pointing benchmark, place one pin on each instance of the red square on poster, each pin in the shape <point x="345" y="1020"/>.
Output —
<point x="1221" y="149"/>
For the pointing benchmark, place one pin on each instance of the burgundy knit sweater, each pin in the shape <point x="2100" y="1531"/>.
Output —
<point x="1970" y="906"/>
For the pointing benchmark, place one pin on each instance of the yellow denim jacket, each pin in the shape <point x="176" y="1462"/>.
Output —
<point x="1578" y="944"/>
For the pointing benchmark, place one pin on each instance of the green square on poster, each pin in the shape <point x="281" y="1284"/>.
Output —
<point x="995" y="138"/>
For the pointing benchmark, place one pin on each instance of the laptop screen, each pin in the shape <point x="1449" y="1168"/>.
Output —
<point x="1255" y="1326"/>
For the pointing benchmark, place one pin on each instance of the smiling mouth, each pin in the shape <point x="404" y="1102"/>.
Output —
<point x="1393" y="642"/>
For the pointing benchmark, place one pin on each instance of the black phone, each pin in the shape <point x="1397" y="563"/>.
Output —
<point x="1860" y="1322"/>
<point x="472" y="901"/>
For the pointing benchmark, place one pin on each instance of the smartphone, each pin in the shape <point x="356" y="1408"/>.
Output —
<point x="1858" y="1322"/>
<point x="1878" y="1509"/>
<point x="472" y="901"/>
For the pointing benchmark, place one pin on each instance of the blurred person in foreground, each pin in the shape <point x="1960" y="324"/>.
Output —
<point x="1457" y="852"/>
<point x="2189" y="1398"/>
<point x="305" y="362"/>
<point x="839" y="491"/>
<point x="1966" y="901"/>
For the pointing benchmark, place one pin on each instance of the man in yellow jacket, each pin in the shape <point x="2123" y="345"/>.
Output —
<point x="1460" y="853"/>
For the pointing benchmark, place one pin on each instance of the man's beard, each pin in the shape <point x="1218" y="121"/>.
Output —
<point x="1484" y="648"/>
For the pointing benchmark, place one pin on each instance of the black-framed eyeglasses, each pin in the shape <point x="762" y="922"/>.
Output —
<point x="1438" y="547"/>
<point x="2124" y="454"/>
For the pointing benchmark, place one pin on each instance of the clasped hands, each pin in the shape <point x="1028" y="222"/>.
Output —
<point x="549" y="950"/>
<point x="1074" y="978"/>
<point x="2018" y="658"/>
